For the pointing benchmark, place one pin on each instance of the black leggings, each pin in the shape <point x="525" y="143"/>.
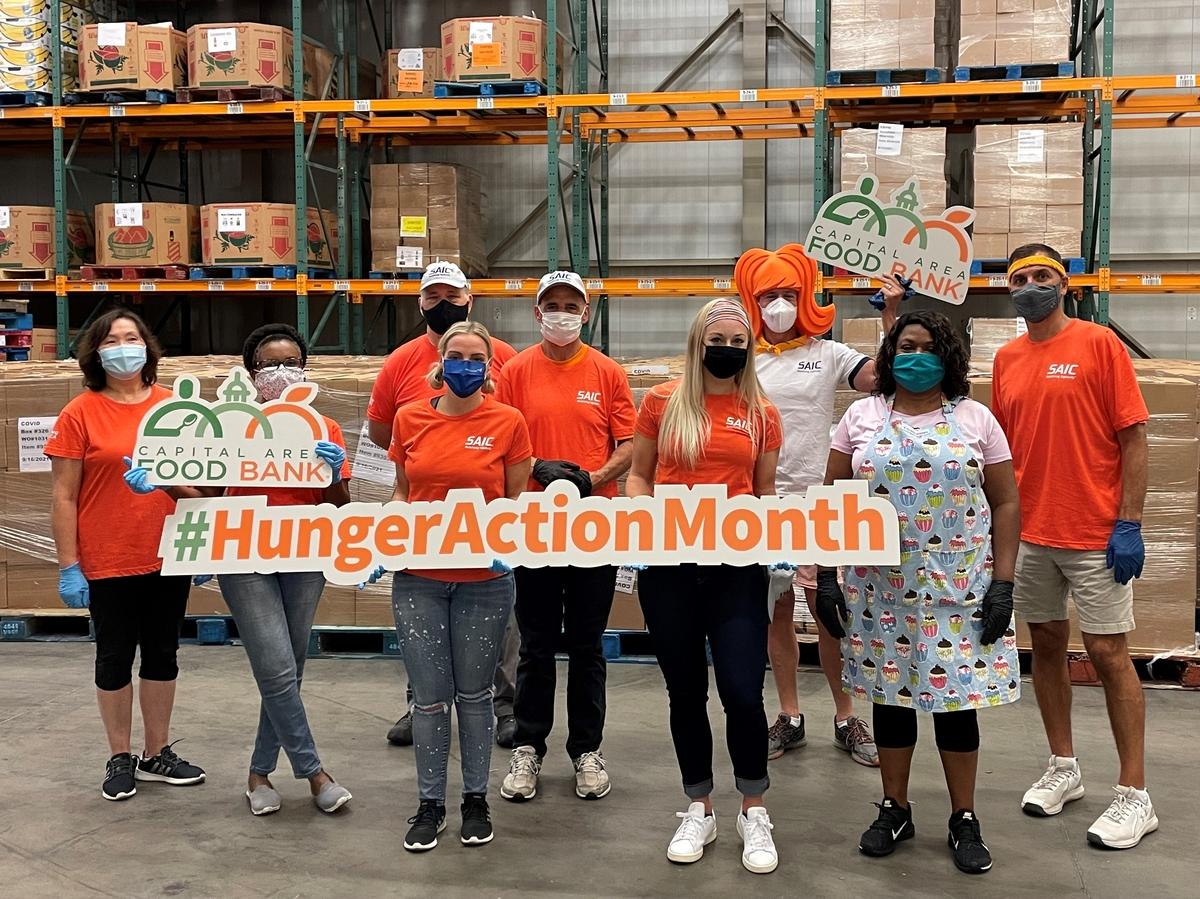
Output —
<point x="896" y="728"/>
<point x="139" y="610"/>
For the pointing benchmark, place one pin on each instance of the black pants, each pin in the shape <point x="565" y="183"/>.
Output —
<point x="573" y="603"/>
<point x="896" y="728"/>
<point x="143" y="610"/>
<point x="684" y="604"/>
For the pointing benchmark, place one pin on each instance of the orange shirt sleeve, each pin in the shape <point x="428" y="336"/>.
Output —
<point x="622" y="417"/>
<point x="774" y="435"/>
<point x="68" y="438"/>
<point x="649" y="416"/>
<point x="1126" y="406"/>
<point x="520" y="448"/>
<point x="382" y="405"/>
<point x="998" y="394"/>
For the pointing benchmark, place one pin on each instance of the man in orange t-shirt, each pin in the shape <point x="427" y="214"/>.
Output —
<point x="579" y="409"/>
<point x="445" y="300"/>
<point x="1067" y="397"/>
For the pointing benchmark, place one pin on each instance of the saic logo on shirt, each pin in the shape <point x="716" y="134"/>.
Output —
<point x="590" y="397"/>
<point x="478" y="442"/>
<point x="738" y="424"/>
<point x="1062" y="371"/>
<point x="814" y="365"/>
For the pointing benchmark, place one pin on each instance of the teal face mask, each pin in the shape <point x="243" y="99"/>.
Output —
<point x="918" y="372"/>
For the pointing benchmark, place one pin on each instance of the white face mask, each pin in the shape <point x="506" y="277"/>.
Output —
<point x="779" y="315"/>
<point x="272" y="382"/>
<point x="561" y="328"/>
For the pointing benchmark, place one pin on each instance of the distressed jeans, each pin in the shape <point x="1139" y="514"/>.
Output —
<point x="274" y="615"/>
<point x="451" y="633"/>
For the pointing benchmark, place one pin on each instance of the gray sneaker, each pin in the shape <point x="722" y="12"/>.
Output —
<point x="854" y="737"/>
<point x="521" y="781"/>
<point x="591" y="778"/>
<point x="264" y="800"/>
<point x="332" y="797"/>
<point x="783" y="735"/>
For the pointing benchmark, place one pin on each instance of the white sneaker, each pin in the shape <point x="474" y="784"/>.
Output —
<point x="696" y="832"/>
<point x="591" y="780"/>
<point x="1129" y="818"/>
<point x="522" y="779"/>
<point x="758" y="848"/>
<point x="1061" y="783"/>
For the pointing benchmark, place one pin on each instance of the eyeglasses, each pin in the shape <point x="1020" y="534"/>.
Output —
<point x="292" y="362"/>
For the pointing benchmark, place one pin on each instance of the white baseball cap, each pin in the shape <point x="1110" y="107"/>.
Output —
<point x="570" y="279"/>
<point x="444" y="273"/>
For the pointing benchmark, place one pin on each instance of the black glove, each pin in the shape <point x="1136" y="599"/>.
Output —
<point x="546" y="471"/>
<point x="997" y="611"/>
<point x="831" y="604"/>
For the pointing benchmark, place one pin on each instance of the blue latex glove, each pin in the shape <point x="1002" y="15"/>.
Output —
<point x="1126" y="553"/>
<point x="201" y="579"/>
<point x="499" y="567"/>
<point x="636" y="567"/>
<point x="73" y="587"/>
<point x="876" y="299"/>
<point x="781" y="566"/>
<point x="375" y="576"/>
<point x="137" y="479"/>
<point x="334" y="455"/>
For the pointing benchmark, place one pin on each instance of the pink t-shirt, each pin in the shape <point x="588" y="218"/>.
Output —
<point x="975" y="421"/>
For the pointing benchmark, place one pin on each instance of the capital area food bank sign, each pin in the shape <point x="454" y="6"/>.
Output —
<point x="187" y="440"/>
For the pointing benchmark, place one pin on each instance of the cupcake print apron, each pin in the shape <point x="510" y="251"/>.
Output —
<point x="913" y="636"/>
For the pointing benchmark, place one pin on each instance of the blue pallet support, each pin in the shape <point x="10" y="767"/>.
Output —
<point x="212" y="631"/>
<point x="611" y="644"/>
<point x="238" y="272"/>
<point x="118" y="97"/>
<point x="14" y="354"/>
<point x="395" y="276"/>
<point x="1015" y="72"/>
<point x="14" y="629"/>
<point x="16" y="321"/>
<point x="846" y="77"/>
<point x="25" y="98"/>
<point x="443" y="90"/>
<point x="1075" y="265"/>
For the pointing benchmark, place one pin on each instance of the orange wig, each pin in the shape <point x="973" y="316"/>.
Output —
<point x="789" y="268"/>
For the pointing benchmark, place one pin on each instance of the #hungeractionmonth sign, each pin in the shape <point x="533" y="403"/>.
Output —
<point x="234" y="442"/>
<point x="840" y="524"/>
<point x="857" y="231"/>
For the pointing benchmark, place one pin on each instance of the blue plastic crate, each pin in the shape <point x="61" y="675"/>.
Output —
<point x="611" y="644"/>
<point x="212" y="631"/>
<point x="16" y="321"/>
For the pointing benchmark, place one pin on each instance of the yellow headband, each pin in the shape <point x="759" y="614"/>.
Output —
<point x="1026" y="261"/>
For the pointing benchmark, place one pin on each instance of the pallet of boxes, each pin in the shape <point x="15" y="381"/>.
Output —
<point x="890" y="34"/>
<point x="261" y="237"/>
<point x="28" y="241"/>
<point x="996" y="33"/>
<point x="410" y="73"/>
<point x="501" y="51"/>
<point x="232" y="61"/>
<point x="27" y="46"/>
<point x="897" y="156"/>
<point x="138" y="62"/>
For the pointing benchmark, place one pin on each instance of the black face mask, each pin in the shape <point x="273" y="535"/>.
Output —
<point x="725" y="361"/>
<point x="443" y="315"/>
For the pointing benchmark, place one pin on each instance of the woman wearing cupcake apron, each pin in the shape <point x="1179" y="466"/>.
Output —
<point x="933" y="632"/>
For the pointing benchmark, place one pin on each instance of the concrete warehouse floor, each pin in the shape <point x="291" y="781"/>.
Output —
<point x="59" y="839"/>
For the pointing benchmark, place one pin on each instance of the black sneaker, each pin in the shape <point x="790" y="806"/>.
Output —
<point x="971" y="855"/>
<point x="506" y="731"/>
<point x="893" y="825"/>
<point x="168" y="768"/>
<point x="118" y="777"/>
<point x="476" y="820"/>
<point x="427" y="823"/>
<point x="401" y="732"/>
<point x="783" y="735"/>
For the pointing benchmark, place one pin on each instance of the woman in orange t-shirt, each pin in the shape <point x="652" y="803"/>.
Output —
<point x="712" y="426"/>
<point x="107" y="543"/>
<point x="450" y="622"/>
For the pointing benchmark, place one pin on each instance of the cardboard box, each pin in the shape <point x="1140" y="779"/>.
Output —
<point x="990" y="246"/>
<point x="1064" y="218"/>
<point x="432" y="208"/>
<point x="863" y="334"/>
<point x="239" y="54"/>
<point x="131" y="56"/>
<point x="320" y="79"/>
<point x="1027" y="217"/>
<point x="262" y="234"/>
<point x="150" y="234"/>
<point x="496" y="48"/>
<point x="411" y="72"/>
<point x="991" y="220"/>
<point x="27" y="238"/>
<point x="44" y="347"/>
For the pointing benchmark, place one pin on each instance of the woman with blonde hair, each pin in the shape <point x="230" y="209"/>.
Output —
<point x="712" y="426"/>
<point x="450" y="622"/>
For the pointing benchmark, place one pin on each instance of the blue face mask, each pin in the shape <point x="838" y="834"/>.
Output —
<point x="463" y="376"/>
<point x="125" y="361"/>
<point x="918" y="372"/>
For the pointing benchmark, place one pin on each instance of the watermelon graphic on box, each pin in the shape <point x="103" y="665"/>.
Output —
<point x="149" y="234"/>
<point x="130" y="56"/>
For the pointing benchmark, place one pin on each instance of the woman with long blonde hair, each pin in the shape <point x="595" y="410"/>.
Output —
<point x="712" y="426"/>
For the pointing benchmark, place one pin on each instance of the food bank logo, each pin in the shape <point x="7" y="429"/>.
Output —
<point x="235" y="441"/>
<point x="857" y="231"/>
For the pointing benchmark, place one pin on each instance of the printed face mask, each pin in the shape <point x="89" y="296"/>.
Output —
<point x="725" y="361"/>
<point x="463" y="376"/>
<point x="561" y="328"/>
<point x="443" y="315"/>
<point x="271" y="382"/>
<point x="1035" y="302"/>
<point x="779" y="315"/>
<point x="918" y="372"/>
<point x="124" y="362"/>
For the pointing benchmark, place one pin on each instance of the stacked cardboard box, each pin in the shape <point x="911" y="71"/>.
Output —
<point x="411" y="72"/>
<point x="264" y="234"/>
<point x="26" y="44"/>
<point x="498" y="48"/>
<point x="150" y="234"/>
<point x="1028" y="187"/>
<point x="1011" y="32"/>
<point x="889" y="34"/>
<point x="920" y="156"/>
<point x="129" y="56"/>
<point x="320" y="78"/>
<point x="987" y="336"/>
<point x="249" y="54"/>
<point x="863" y="334"/>
<point x="422" y="212"/>
<point x="27" y="238"/>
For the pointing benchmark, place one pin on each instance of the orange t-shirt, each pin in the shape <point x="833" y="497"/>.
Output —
<point x="441" y="453"/>
<point x="401" y="380"/>
<point x="119" y="530"/>
<point x="729" y="456"/>
<point x="298" y="496"/>
<point x="1061" y="402"/>
<point x="576" y="410"/>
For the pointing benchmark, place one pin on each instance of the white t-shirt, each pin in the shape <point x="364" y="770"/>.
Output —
<point x="801" y="383"/>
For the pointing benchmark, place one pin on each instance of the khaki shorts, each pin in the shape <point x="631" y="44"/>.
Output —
<point x="1045" y="575"/>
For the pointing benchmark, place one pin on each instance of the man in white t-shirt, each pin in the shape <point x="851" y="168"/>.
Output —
<point x="800" y="371"/>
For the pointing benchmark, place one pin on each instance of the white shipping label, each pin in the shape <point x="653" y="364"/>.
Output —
<point x="626" y="580"/>
<point x="1031" y="145"/>
<point x="480" y="33"/>
<point x="371" y="463"/>
<point x="231" y="220"/>
<point x="889" y="139"/>
<point x="411" y="59"/>
<point x="656" y="370"/>
<point x="5" y="218"/>
<point x="110" y="34"/>
<point x="410" y="257"/>
<point x="32" y="434"/>
<point x="1022" y="326"/>
<point x="221" y="39"/>
<point x="127" y="215"/>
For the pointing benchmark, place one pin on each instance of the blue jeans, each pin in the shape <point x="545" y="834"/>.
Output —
<point x="274" y="615"/>
<point x="451" y="634"/>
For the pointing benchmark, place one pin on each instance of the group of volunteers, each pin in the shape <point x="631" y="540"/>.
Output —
<point x="1000" y="510"/>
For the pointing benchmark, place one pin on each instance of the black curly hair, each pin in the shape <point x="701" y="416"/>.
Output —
<point x="267" y="333"/>
<point x="946" y="343"/>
